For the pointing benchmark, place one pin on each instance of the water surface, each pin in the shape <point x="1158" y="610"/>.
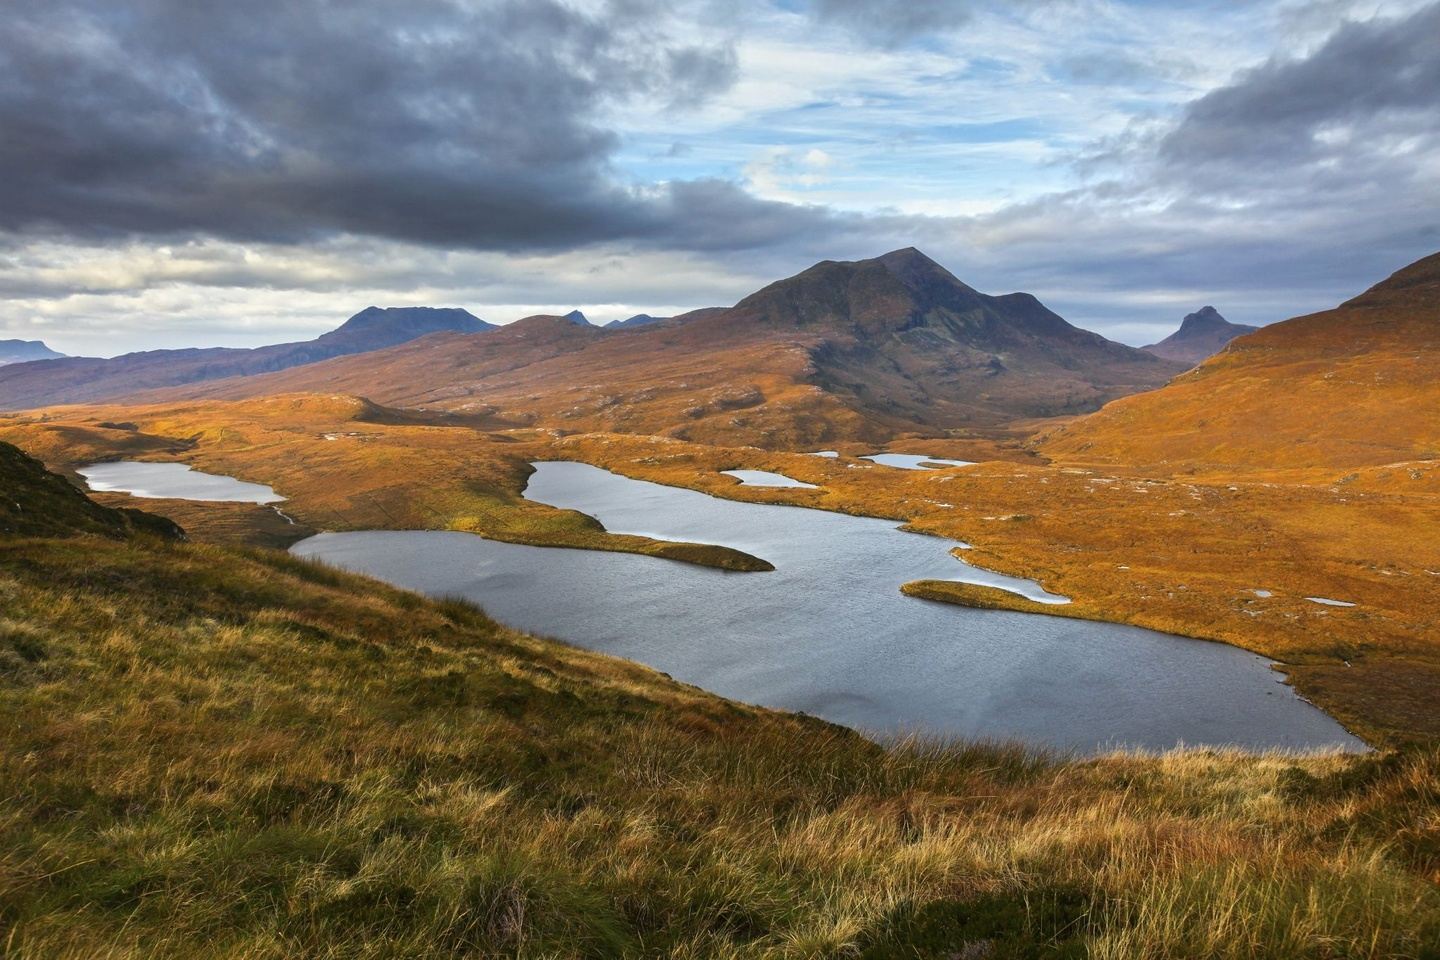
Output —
<point x="915" y="461"/>
<point x="764" y="478"/>
<point x="828" y="632"/>
<point x="173" y="481"/>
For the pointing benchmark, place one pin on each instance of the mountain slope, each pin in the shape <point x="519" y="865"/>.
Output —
<point x="87" y="379"/>
<point x="862" y="350"/>
<point x="1202" y="334"/>
<point x="23" y="351"/>
<point x="215" y="753"/>
<point x="1355" y="386"/>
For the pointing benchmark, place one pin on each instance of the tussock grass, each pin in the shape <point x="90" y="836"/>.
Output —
<point x="211" y="753"/>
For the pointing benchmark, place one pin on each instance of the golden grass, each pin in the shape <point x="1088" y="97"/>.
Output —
<point x="1347" y="389"/>
<point x="211" y="753"/>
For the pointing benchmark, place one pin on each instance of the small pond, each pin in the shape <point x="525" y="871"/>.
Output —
<point x="764" y="478"/>
<point x="915" y="461"/>
<point x="173" y="481"/>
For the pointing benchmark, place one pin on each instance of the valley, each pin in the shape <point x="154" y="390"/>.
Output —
<point x="1322" y="560"/>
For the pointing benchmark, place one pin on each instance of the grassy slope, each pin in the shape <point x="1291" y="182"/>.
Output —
<point x="1347" y="389"/>
<point x="34" y="502"/>
<point x="211" y="752"/>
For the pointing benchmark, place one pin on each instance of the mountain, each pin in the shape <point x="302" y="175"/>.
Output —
<point x="88" y="379"/>
<point x="914" y="347"/>
<point x="1202" y="334"/>
<point x="23" y="351"/>
<point x="1355" y="386"/>
<point x="859" y="350"/>
<point x="630" y="323"/>
<point x="576" y="317"/>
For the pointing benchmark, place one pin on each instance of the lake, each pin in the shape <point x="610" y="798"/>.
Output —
<point x="829" y="633"/>
<point x="915" y="461"/>
<point x="764" y="478"/>
<point x="173" y="481"/>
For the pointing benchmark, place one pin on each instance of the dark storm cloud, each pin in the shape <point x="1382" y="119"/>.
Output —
<point x="435" y="121"/>
<point x="1368" y="80"/>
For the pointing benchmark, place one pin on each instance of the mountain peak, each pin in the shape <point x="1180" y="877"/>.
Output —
<point x="411" y="320"/>
<point x="907" y="256"/>
<point x="81" y="380"/>
<point x="1206" y="318"/>
<point x="549" y="326"/>
<point x="1202" y="334"/>
<point x="578" y="318"/>
<point x="916" y="270"/>
<point x="23" y="351"/>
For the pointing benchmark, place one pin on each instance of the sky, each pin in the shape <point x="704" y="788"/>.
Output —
<point x="199" y="172"/>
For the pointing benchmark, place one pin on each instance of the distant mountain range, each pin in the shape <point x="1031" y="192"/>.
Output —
<point x="630" y="323"/>
<point x="1351" y="387"/>
<point x="1202" y="334"/>
<point x="865" y="350"/>
<point x="23" y="351"/>
<point x="88" y="379"/>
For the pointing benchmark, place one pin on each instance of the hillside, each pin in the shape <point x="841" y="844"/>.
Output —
<point x="219" y="754"/>
<point x="87" y="379"/>
<point x="1353" y="387"/>
<point x="863" y="350"/>
<point x="23" y="351"/>
<point x="37" y="503"/>
<point x="1202" y="334"/>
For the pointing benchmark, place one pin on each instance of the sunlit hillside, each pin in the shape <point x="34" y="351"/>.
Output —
<point x="1356" y="388"/>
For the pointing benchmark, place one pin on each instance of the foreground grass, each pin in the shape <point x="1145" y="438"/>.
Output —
<point x="214" y="753"/>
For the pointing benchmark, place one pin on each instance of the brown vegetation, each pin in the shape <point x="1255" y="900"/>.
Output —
<point x="220" y="752"/>
<point x="1334" y="493"/>
<point x="344" y="464"/>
